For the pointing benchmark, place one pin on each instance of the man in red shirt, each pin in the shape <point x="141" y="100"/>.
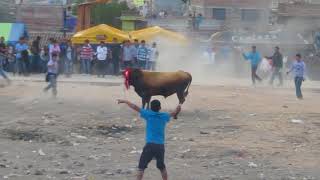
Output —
<point x="86" y="56"/>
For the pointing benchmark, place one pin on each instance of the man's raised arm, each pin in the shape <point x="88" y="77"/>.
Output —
<point x="175" y="113"/>
<point x="131" y="105"/>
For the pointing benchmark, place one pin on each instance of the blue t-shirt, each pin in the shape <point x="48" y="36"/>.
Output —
<point x="298" y="69"/>
<point x="253" y="57"/>
<point x="19" y="48"/>
<point x="155" y="125"/>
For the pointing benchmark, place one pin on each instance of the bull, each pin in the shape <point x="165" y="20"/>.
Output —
<point x="147" y="84"/>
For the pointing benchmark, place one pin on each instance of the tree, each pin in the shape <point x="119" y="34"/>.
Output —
<point x="108" y="13"/>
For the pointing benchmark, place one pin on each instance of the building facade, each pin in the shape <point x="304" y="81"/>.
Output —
<point x="236" y="14"/>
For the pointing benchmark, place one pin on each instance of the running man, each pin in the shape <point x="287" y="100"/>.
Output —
<point x="299" y="70"/>
<point x="255" y="58"/>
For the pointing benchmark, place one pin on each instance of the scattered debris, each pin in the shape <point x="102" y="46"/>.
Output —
<point x="204" y="133"/>
<point x="41" y="153"/>
<point x="252" y="165"/>
<point x="39" y="172"/>
<point x="78" y="136"/>
<point x="297" y="121"/>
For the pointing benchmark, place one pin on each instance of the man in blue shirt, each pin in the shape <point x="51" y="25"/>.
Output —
<point x="155" y="135"/>
<point x="298" y="68"/>
<point x="22" y="54"/>
<point x="255" y="58"/>
<point x="143" y="55"/>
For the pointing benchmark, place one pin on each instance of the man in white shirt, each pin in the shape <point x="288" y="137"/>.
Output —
<point x="127" y="56"/>
<point x="154" y="54"/>
<point x="102" y="54"/>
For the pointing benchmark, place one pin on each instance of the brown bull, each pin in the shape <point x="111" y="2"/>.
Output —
<point x="148" y="84"/>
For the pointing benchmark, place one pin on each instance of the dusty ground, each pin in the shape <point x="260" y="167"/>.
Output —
<point x="224" y="133"/>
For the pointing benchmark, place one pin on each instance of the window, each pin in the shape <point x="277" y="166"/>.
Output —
<point x="249" y="15"/>
<point x="219" y="13"/>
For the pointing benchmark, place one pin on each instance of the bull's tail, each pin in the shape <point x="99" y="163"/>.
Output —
<point x="187" y="90"/>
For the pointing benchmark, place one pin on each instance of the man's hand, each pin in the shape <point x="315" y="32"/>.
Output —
<point x="131" y="105"/>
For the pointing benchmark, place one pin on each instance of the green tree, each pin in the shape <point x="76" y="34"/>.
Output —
<point x="108" y="13"/>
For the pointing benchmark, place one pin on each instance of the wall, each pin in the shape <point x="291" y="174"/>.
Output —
<point x="41" y="17"/>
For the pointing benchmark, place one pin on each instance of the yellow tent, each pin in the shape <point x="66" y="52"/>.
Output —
<point x="99" y="33"/>
<point x="156" y="32"/>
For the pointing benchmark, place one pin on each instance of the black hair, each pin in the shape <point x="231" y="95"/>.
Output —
<point x="143" y="41"/>
<point x="155" y="105"/>
<point x="298" y="55"/>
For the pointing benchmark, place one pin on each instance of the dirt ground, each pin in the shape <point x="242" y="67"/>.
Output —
<point x="225" y="132"/>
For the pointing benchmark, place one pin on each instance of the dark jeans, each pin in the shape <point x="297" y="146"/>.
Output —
<point x="254" y="75"/>
<point x="127" y="64"/>
<point x="142" y="64"/>
<point x="36" y="64"/>
<point x="68" y="69"/>
<point x="21" y="67"/>
<point x="116" y="67"/>
<point x="101" y="68"/>
<point x="298" y="83"/>
<point x="2" y="73"/>
<point x="52" y="84"/>
<point x="276" y="73"/>
<point x="86" y="66"/>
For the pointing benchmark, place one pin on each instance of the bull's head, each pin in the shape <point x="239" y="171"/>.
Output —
<point x="126" y="75"/>
<point x="131" y="76"/>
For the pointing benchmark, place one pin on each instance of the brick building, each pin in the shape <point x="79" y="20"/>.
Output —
<point x="236" y="14"/>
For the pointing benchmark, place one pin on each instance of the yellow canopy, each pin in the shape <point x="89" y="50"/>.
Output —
<point x="156" y="32"/>
<point x="99" y="33"/>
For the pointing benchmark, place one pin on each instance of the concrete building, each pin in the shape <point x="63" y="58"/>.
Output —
<point x="7" y="11"/>
<point x="240" y="14"/>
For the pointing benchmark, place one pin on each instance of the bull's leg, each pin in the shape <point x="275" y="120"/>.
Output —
<point x="148" y="102"/>
<point x="181" y="97"/>
<point x="143" y="103"/>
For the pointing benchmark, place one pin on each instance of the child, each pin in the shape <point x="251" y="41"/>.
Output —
<point x="298" y="69"/>
<point x="52" y="74"/>
<point x="155" y="135"/>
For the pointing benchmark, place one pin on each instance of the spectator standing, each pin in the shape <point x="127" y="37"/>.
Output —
<point x="54" y="48"/>
<point x="102" y="54"/>
<point x="116" y="51"/>
<point x="63" y="55"/>
<point x="44" y="56"/>
<point x="86" y="56"/>
<point x="143" y="55"/>
<point x="21" y="50"/>
<point x="127" y="55"/>
<point x="12" y="59"/>
<point x="198" y="21"/>
<point x="35" y="50"/>
<point x="277" y="62"/>
<point x="154" y="55"/>
<point x="68" y="67"/>
<point x="135" y="46"/>
<point x="299" y="70"/>
<point x="3" y="56"/>
<point x="255" y="58"/>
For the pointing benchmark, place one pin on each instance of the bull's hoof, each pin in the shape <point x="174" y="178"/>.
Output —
<point x="175" y="117"/>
